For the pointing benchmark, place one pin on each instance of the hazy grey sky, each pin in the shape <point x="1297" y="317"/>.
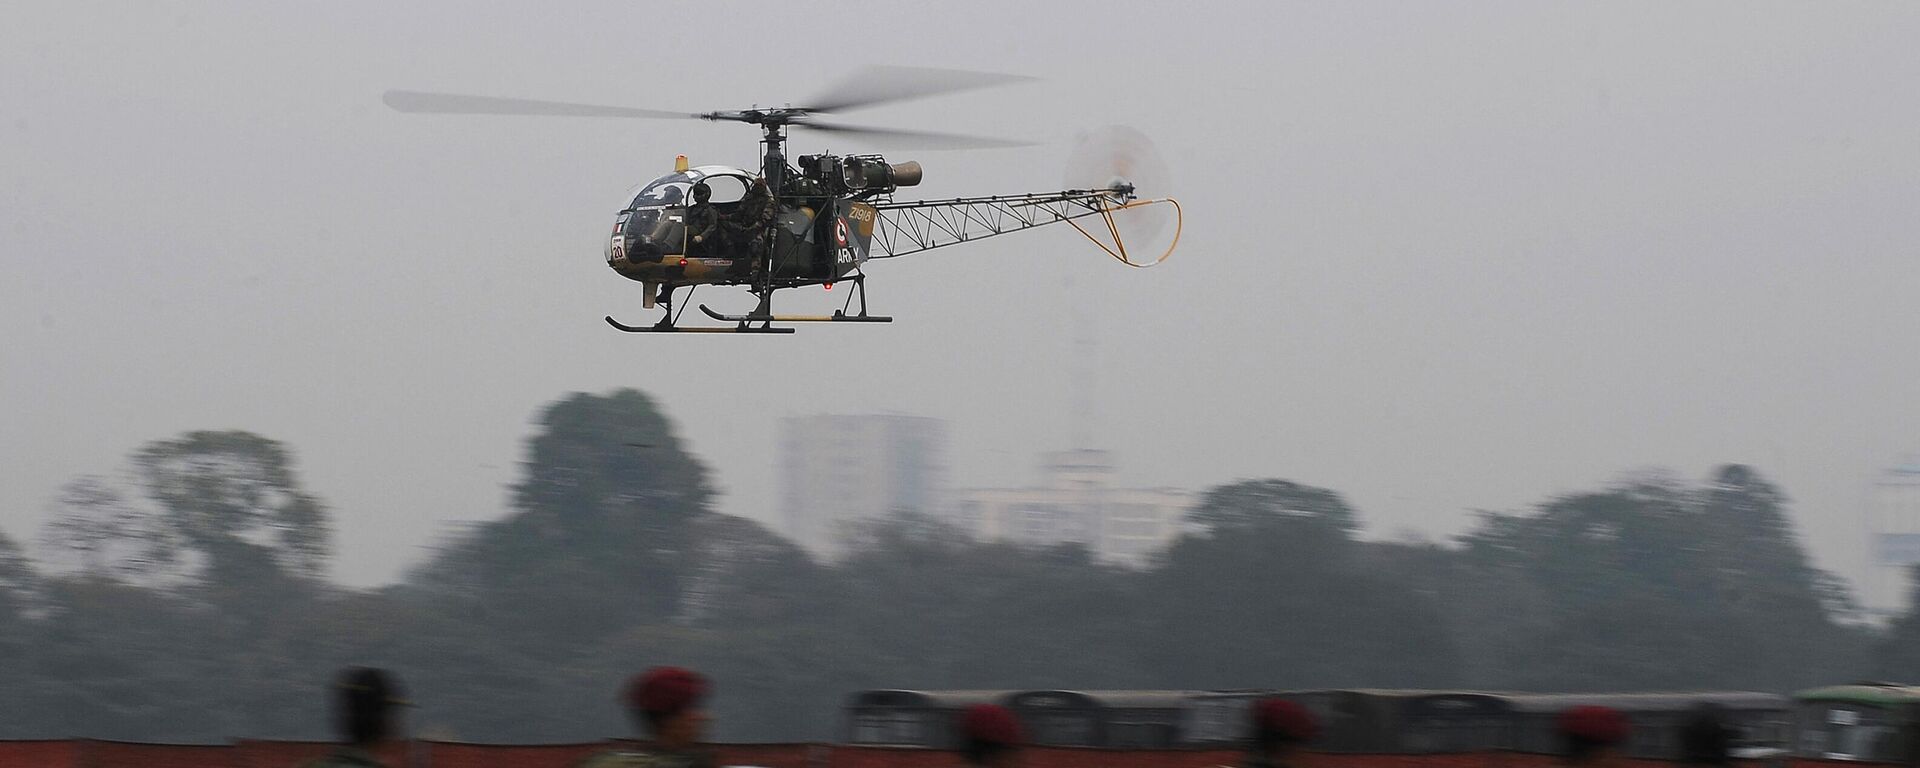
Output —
<point x="1438" y="256"/>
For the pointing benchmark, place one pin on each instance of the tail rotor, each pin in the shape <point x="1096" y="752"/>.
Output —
<point x="1139" y="225"/>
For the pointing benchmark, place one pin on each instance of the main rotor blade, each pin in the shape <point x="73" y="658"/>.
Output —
<point x="889" y="138"/>
<point x="874" y="86"/>
<point x="466" y="104"/>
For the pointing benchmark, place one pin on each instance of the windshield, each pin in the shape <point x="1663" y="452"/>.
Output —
<point x="666" y="190"/>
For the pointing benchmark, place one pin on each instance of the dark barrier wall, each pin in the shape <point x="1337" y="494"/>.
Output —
<point x="443" y="755"/>
<point x="153" y="755"/>
<point x="431" y="754"/>
<point x="248" y="753"/>
<point x="33" y="754"/>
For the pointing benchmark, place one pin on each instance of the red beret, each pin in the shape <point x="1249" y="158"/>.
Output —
<point x="1599" y="725"/>
<point x="1285" y="720"/>
<point x="991" y="724"/>
<point x="665" y="691"/>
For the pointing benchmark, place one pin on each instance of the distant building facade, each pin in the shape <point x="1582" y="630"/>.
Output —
<point x="837" y="471"/>
<point x="1079" y="500"/>
<point x="1893" y="522"/>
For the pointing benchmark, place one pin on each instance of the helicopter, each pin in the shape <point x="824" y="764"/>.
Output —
<point x="815" y="223"/>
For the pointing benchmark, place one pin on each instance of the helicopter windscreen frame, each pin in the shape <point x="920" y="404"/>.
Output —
<point x="671" y="189"/>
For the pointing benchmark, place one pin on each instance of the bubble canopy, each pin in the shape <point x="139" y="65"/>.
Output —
<point x="727" y="183"/>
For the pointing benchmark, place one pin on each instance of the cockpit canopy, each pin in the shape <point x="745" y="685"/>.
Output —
<point x="666" y="190"/>
<point x="651" y="223"/>
<point x="728" y="185"/>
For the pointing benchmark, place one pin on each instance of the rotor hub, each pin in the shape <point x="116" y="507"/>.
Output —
<point x="767" y="117"/>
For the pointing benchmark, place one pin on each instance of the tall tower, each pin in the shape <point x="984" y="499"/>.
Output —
<point x="1893" y="523"/>
<point x="1083" y="379"/>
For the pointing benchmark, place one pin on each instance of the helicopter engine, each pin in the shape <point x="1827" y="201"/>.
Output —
<point x="870" y="174"/>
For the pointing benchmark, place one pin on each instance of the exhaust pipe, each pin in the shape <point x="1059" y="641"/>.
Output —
<point x="906" y="174"/>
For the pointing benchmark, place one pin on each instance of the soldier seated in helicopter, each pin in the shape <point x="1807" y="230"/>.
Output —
<point x="748" y="222"/>
<point x="704" y="233"/>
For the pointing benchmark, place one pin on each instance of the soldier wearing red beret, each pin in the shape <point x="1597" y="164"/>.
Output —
<point x="1280" y="729"/>
<point x="1592" y="735"/>
<point x="990" y="736"/>
<point x="669" y="704"/>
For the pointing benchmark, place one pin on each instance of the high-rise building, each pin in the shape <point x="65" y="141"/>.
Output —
<point x="1893" y="522"/>
<point x="1078" y="501"/>
<point x="838" y="471"/>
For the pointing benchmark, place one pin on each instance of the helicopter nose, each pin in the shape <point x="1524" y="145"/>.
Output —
<point x="641" y="250"/>
<point x="632" y="239"/>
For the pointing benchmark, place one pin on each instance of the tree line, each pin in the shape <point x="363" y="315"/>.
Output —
<point x="189" y="602"/>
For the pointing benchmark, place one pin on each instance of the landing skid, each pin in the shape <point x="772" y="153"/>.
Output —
<point x="665" y="328"/>
<point x="837" y="317"/>
<point x="761" y="319"/>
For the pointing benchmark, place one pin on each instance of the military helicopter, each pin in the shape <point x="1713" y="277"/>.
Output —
<point x="779" y="227"/>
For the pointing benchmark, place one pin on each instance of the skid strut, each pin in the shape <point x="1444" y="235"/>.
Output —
<point x="836" y="317"/>
<point x="764" y="312"/>
<point x="669" y="322"/>
<point x="691" y="329"/>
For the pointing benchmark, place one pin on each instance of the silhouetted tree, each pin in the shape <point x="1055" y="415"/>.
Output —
<point x="200" y="612"/>
<point x="1273" y="592"/>
<point x="232" y="501"/>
